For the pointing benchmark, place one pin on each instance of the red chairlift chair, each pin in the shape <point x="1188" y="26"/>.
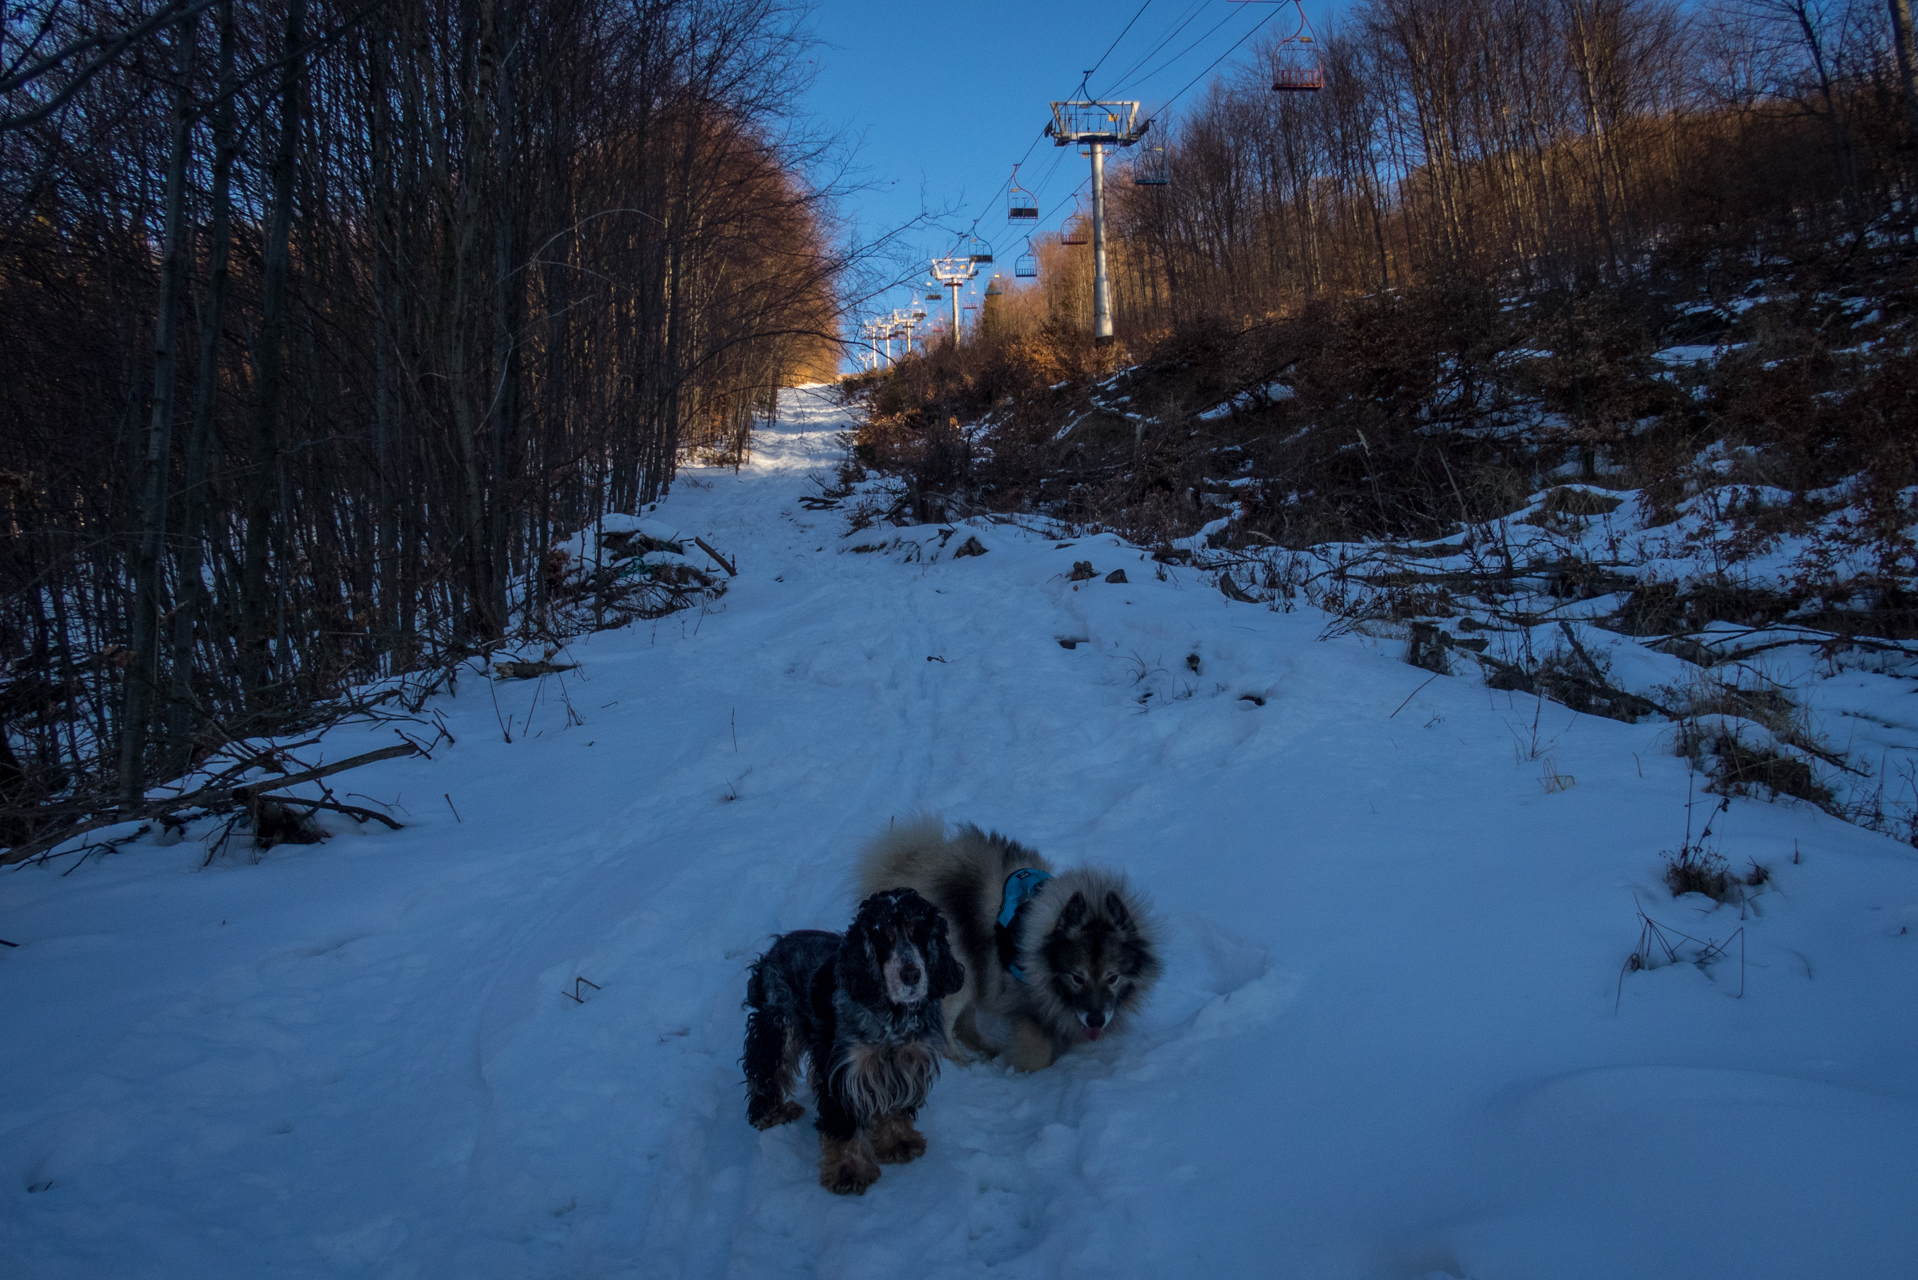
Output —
<point x="1077" y="228"/>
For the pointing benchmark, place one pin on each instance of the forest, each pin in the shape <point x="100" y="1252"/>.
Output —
<point x="1527" y="142"/>
<point x="1455" y="264"/>
<point x="322" y="320"/>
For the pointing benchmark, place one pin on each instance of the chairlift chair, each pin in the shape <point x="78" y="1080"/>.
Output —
<point x="979" y="250"/>
<point x="1021" y="205"/>
<point x="1150" y="168"/>
<point x="1077" y="229"/>
<point x="1296" y="67"/>
<point x="1026" y="265"/>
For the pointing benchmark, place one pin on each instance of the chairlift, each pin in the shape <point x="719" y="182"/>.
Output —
<point x="1150" y="168"/>
<point x="935" y="297"/>
<point x="1077" y="228"/>
<point x="993" y="290"/>
<point x="1296" y="66"/>
<point x="1026" y="265"/>
<point x="979" y="251"/>
<point x="1021" y="205"/>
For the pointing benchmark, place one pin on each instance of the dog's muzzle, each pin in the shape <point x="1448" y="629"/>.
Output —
<point x="905" y="971"/>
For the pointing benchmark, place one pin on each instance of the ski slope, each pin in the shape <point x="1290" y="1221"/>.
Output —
<point x="1393" y="1041"/>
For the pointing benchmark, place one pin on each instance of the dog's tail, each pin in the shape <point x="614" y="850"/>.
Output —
<point x="906" y="853"/>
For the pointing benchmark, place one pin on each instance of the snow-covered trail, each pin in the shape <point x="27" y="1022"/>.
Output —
<point x="1386" y="1045"/>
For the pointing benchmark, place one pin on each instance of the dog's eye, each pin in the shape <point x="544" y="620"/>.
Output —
<point x="1112" y="979"/>
<point x="1075" y="980"/>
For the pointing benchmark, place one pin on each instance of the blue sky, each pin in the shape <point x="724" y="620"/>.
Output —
<point x="945" y="100"/>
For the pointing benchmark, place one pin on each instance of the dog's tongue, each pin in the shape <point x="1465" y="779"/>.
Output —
<point x="1092" y="1033"/>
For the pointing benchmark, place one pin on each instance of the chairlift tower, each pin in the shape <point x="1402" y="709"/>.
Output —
<point x="872" y="331"/>
<point x="1096" y="126"/>
<point x="901" y="327"/>
<point x="954" y="274"/>
<point x="915" y="314"/>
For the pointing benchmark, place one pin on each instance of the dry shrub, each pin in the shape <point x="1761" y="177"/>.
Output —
<point x="1565" y="509"/>
<point x="1694" y="869"/>
<point x="1597" y="377"/>
<point x="1738" y="765"/>
<point x="1741" y="766"/>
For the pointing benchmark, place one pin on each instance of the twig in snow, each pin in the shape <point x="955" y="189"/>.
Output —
<point x="414" y="743"/>
<point x="208" y="797"/>
<point x="724" y="563"/>
<point x="1408" y="698"/>
<point x="1650" y="932"/>
<point x="504" y="729"/>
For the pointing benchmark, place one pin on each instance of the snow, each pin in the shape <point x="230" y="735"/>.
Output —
<point x="1273" y="392"/>
<point x="1395" y="1038"/>
<point x="1690" y="354"/>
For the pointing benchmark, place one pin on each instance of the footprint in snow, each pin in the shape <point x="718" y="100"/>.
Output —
<point x="1216" y="984"/>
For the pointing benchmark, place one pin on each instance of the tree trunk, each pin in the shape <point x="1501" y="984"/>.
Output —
<point x="469" y="401"/>
<point x="143" y="672"/>
<point x="192" y="602"/>
<point x="1901" y="39"/>
<point x="263" y="458"/>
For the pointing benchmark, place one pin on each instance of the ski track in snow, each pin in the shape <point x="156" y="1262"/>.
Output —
<point x="1385" y="1046"/>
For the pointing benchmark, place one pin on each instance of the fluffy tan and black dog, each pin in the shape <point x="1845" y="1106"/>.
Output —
<point x="1052" y="959"/>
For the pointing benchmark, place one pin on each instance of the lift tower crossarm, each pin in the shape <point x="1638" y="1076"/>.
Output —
<point x="1114" y="124"/>
<point x="1098" y="125"/>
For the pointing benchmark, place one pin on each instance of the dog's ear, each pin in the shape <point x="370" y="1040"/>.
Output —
<point x="945" y="974"/>
<point x="1116" y="912"/>
<point x="856" y="969"/>
<point x="1074" y="914"/>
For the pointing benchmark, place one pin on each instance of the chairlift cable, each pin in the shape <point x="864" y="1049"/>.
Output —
<point x="1222" y="57"/>
<point x="1175" y="58"/>
<point x="1041" y="137"/>
<point x="1153" y="52"/>
<point x="1070" y="195"/>
<point x="1123" y="79"/>
<point x="1115" y="41"/>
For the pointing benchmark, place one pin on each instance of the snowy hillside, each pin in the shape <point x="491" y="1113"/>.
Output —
<point x="1396" y="1037"/>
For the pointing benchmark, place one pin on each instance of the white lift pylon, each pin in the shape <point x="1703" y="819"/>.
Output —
<point x="1096" y="126"/>
<point x="954" y="274"/>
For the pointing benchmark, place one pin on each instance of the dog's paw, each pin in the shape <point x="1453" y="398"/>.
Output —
<point x="849" y="1177"/>
<point x="847" y="1168"/>
<point x="895" y="1141"/>
<point x="1032" y="1047"/>
<point x="958" y="1055"/>
<point x="772" y="1115"/>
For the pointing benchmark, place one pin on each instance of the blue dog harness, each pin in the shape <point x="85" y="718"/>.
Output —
<point x="1021" y="886"/>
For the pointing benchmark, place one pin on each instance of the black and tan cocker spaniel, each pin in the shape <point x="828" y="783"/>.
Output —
<point x="863" y="1010"/>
